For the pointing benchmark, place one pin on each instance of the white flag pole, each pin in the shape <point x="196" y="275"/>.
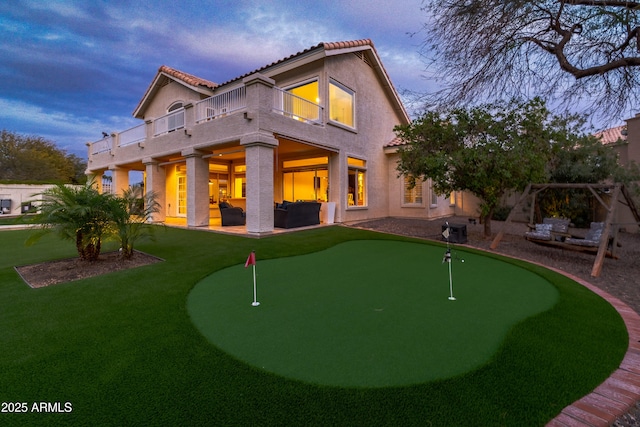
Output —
<point x="451" y="297"/>
<point x="447" y="258"/>
<point x="255" y="290"/>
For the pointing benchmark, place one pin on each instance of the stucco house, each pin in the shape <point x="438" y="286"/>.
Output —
<point x="317" y="125"/>
<point x="17" y="199"/>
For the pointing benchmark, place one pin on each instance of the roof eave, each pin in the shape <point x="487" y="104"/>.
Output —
<point x="153" y="89"/>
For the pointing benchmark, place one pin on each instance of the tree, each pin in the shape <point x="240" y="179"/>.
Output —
<point x="486" y="150"/>
<point x="31" y="158"/>
<point x="579" y="158"/>
<point x="568" y="50"/>
<point x="77" y="213"/>
<point x="131" y="220"/>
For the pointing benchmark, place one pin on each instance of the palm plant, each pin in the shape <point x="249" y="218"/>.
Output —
<point x="77" y="213"/>
<point x="132" y="218"/>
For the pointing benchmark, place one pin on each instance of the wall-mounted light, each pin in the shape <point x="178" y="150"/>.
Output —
<point x="187" y="132"/>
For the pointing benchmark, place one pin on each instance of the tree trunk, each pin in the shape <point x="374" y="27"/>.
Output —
<point x="487" y="223"/>
<point x="127" y="251"/>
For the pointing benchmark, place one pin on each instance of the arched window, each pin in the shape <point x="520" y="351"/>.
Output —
<point x="175" y="106"/>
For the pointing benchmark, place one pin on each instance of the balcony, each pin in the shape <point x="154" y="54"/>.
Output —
<point x="217" y="106"/>
<point x="133" y="136"/>
<point x="169" y="123"/>
<point x="295" y="107"/>
<point x="221" y="105"/>
<point x="102" y="146"/>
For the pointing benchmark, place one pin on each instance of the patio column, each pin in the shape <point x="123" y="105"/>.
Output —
<point x="337" y="183"/>
<point x="96" y="178"/>
<point x="156" y="182"/>
<point x="120" y="180"/>
<point x="197" y="188"/>
<point x="259" y="159"/>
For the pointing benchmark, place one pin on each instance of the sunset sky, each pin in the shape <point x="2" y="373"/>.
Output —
<point x="72" y="69"/>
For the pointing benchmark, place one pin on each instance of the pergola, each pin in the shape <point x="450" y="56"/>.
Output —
<point x="610" y="231"/>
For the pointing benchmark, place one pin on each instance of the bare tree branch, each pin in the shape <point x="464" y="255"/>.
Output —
<point x="564" y="50"/>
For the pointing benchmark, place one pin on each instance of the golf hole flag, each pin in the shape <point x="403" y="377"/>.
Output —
<point x="251" y="260"/>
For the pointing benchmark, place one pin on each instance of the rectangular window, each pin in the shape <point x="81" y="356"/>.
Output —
<point x="306" y="185"/>
<point x="356" y="191"/>
<point x="182" y="195"/>
<point x="240" y="182"/>
<point x="412" y="196"/>
<point x="303" y="102"/>
<point x="434" y="198"/>
<point x="341" y="104"/>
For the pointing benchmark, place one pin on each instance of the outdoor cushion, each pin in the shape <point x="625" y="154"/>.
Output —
<point x="592" y="238"/>
<point x="542" y="232"/>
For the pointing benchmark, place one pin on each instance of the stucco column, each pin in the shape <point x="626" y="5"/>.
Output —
<point x="119" y="180"/>
<point x="338" y="179"/>
<point x="259" y="157"/>
<point x="197" y="188"/>
<point x="156" y="182"/>
<point x="95" y="177"/>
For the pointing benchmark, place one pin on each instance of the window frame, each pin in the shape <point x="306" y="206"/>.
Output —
<point x="316" y="101"/>
<point x="433" y="197"/>
<point x="175" y="106"/>
<point x="419" y="188"/>
<point x="359" y="169"/>
<point x="348" y="90"/>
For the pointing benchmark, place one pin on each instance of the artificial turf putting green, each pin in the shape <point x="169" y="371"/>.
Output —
<point x="368" y="313"/>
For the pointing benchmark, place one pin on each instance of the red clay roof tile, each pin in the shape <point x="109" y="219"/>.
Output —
<point x="186" y="77"/>
<point x="395" y="142"/>
<point x="612" y="135"/>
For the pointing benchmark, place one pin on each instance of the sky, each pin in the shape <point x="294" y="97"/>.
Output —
<point x="70" y="70"/>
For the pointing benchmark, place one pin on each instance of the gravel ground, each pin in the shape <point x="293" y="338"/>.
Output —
<point x="619" y="277"/>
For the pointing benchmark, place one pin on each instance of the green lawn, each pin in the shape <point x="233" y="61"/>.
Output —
<point x="122" y="348"/>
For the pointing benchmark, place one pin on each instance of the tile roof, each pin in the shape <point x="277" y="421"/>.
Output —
<point x="186" y="77"/>
<point x="612" y="135"/>
<point x="326" y="46"/>
<point x="347" y="44"/>
<point x="395" y="142"/>
<point x="323" y="45"/>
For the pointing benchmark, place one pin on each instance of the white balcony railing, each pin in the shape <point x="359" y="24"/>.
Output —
<point x="221" y="104"/>
<point x="133" y="135"/>
<point x="169" y="122"/>
<point x="102" y="145"/>
<point x="297" y="108"/>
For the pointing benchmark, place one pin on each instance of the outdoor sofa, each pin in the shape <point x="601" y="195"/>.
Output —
<point x="296" y="214"/>
<point x="231" y="215"/>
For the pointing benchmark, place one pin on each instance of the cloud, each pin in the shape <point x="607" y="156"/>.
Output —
<point x="65" y="9"/>
<point x="73" y="69"/>
<point x="69" y="130"/>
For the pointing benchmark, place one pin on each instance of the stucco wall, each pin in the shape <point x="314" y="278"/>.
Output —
<point x="397" y="207"/>
<point x="21" y="193"/>
<point x="375" y="117"/>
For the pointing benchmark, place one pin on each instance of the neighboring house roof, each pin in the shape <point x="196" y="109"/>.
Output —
<point x="612" y="135"/>
<point x="315" y="52"/>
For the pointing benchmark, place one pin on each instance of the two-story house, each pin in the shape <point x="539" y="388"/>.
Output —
<point x="317" y="125"/>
